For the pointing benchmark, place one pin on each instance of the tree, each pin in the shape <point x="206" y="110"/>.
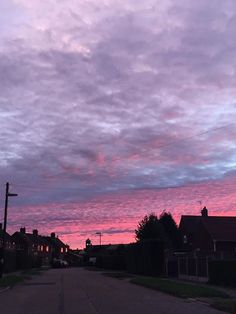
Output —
<point x="171" y="229"/>
<point x="149" y="228"/>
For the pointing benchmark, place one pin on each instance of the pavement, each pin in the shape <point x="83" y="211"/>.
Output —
<point x="79" y="291"/>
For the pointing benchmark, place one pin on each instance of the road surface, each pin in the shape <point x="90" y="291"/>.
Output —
<point x="78" y="291"/>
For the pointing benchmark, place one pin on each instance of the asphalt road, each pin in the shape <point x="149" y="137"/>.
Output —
<point x="78" y="291"/>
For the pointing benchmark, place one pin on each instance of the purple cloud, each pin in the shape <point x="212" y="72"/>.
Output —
<point x="101" y="98"/>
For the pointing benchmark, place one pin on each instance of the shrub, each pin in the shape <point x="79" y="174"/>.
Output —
<point x="222" y="272"/>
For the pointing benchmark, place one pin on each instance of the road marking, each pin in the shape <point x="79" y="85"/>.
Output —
<point x="91" y="302"/>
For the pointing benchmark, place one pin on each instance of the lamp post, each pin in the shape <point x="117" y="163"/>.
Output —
<point x="100" y="236"/>
<point x="7" y="194"/>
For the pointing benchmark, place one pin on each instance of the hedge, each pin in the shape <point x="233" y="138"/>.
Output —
<point x="145" y="258"/>
<point x="222" y="272"/>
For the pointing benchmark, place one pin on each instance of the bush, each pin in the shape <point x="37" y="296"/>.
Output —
<point x="222" y="272"/>
<point x="10" y="261"/>
<point x="22" y="260"/>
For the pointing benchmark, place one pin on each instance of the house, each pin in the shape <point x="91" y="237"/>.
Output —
<point x="58" y="248"/>
<point x="34" y="250"/>
<point x="209" y="234"/>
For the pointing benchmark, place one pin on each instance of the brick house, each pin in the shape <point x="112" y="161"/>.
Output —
<point x="209" y="234"/>
<point x="57" y="247"/>
<point x="34" y="250"/>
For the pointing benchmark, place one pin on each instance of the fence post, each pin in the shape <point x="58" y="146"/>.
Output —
<point x="207" y="267"/>
<point x="178" y="267"/>
<point x="167" y="273"/>
<point x="196" y="266"/>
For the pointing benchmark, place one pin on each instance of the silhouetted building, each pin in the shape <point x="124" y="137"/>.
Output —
<point x="205" y="233"/>
<point x="34" y="250"/>
<point x="58" y="248"/>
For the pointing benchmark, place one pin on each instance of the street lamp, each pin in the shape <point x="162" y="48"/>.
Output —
<point x="7" y="194"/>
<point x="100" y="236"/>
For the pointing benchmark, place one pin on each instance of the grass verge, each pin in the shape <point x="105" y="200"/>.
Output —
<point x="11" y="280"/>
<point x="226" y="305"/>
<point x="118" y="275"/>
<point x="179" y="289"/>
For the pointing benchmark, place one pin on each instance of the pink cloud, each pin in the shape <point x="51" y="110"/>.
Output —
<point x="116" y="215"/>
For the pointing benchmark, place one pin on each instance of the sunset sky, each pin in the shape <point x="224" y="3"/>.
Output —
<point x="113" y="109"/>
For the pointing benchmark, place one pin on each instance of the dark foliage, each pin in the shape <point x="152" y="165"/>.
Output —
<point x="149" y="228"/>
<point x="222" y="272"/>
<point x="173" y="237"/>
<point x="10" y="261"/>
<point x="25" y="261"/>
<point x="164" y="229"/>
<point x="145" y="257"/>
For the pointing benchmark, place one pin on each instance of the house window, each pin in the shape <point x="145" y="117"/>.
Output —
<point x="47" y="248"/>
<point x="62" y="251"/>
<point x="38" y="247"/>
<point x="185" y="239"/>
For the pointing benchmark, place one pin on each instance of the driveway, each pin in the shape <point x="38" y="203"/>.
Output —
<point x="78" y="291"/>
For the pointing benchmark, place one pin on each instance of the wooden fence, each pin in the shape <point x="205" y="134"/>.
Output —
<point x="191" y="268"/>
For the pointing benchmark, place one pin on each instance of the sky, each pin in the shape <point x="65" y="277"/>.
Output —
<point x="112" y="109"/>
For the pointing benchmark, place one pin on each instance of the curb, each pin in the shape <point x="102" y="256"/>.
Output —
<point x="4" y="289"/>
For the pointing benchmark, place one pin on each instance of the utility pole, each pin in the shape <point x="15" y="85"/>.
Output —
<point x="2" y="257"/>
<point x="100" y="237"/>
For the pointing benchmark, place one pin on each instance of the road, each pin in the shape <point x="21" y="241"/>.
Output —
<point x="78" y="291"/>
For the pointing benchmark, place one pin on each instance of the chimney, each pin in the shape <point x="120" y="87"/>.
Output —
<point x="22" y="230"/>
<point x="35" y="232"/>
<point x="204" y="212"/>
<point x="53" y="235"/>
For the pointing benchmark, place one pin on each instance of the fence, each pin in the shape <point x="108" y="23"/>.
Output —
<point x="191" y="268"/>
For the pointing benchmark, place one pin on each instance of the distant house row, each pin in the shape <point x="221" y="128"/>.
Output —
<point x="31" y="249"/>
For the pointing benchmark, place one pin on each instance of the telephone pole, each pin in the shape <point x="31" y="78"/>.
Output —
<point x="2" y="255"/>
<point x="100" y="237"/>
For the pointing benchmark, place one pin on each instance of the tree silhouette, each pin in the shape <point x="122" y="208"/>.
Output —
<point x="149" y="228"/>
<point x="164" y="229"/>
<point x="171" y="230"/>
